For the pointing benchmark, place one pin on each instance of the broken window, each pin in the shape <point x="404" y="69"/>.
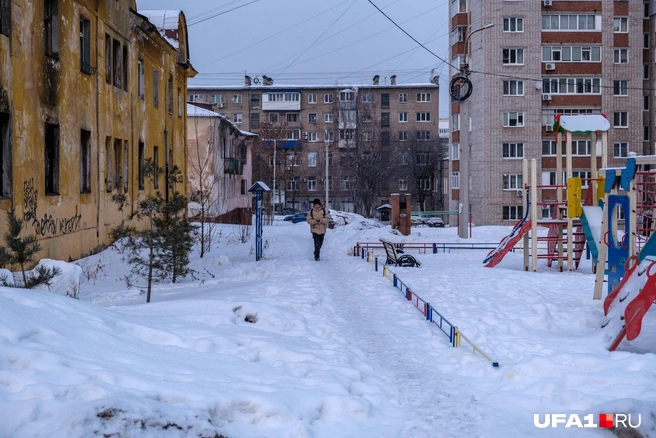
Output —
<point x="51" y="28"/>
<point x="52" y="159"/>
<point x="85" y="161"/>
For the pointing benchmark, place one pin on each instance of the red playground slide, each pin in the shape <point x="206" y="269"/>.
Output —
<point x="495" y="256"/>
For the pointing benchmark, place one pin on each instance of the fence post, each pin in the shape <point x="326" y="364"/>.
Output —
<point x="376" y="264"/>
<point x="395" y="282"/>
<point x="429" y="312"/>
<point x="408" y="295"/>
<point x="434" y="248"/>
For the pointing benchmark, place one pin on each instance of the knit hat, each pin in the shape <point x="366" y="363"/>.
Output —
<point x="316" y="201"/>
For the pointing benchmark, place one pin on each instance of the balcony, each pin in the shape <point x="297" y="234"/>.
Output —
<point x="230" y="165"/>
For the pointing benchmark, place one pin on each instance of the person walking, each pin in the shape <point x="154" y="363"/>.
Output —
<point x="318" y="218"/>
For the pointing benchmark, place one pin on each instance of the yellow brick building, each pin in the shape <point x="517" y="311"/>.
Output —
<point x="88" y="91"/>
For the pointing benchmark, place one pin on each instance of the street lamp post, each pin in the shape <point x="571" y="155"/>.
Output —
<point x="463" y="215"/>
<point x="326" y="201"/>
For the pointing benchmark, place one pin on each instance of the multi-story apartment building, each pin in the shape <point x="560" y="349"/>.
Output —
<point x="88" y="91"/>
<point x="351" y="144"/>
<point x="543" y="58"/>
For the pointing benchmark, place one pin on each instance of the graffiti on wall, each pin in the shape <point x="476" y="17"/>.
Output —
<point x="47" y="225"/>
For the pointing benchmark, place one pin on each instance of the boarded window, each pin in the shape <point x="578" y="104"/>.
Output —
<point x="51" y="28"/>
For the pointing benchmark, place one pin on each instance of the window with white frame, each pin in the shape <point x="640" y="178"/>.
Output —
<point x="366" y="97"/>
<point x="455" y="122"/>
<point x="236" y="118"/>
<point x="513" y="212"/>
<point x="620" y="149"/>
<point x="345" y="182"/>
<point x="513" y="119"/>
<point x="236" y="98"/>
<point x="291" y="159"/>
<point x="425" y="183"/>
<point x="560" y="22"/>
<point x="585" y="176"/>
<point x="422" y="158"/>
<point x="458" y="34"/>
<point x="403" y="117"/>
<point x="423" y="135"/>
<point x="366" y="116"/>
<point x="570" y="85"/>
<point x="621" y="119"/>
<point x="312" y="98"/>
<point x="645" y="71"/>
<point x="571" y="53"/>
<point x="292" y="184"/>
<point x="645" y="133"/>
<point x="403" y="184"/>
<point x="328" y="118"/>
<point x="346" y="96"/>
<point x="291" y="117"/>
<point x="312" y="137"/>
<point x="312" y="118"/>
<point x="549" y="148"/>
<point x="455" y="180"/>
<point x="513" y="88"/>
<point x="366" y="136"/>
<point x="513" y="181"/>
<point x="423" y="97"/>
<point x="513" y="24"/>
<point x="273" y="117"/>
<point x="645" y="41"/>
<point x="513" y="56"/>
<point x="459" y="6"/>
<point x="620" y="56"/>
<point x="403" y="135"/>
<point x="455" y="152"/>
<point x="423" y="117"/>
<point x="621" y="88"/>
<point x="328" y="136"/>
<point x="312" y="159"/>
<point x="581" y="148"/>
<point x="513" y="150"/>
<point x="645" y="103"/>
<point x="312" y="183"/>
<point x="403" y="97"/>
<point x="327" y="98"/>
<point x="403" y="159"/>
<point x="621" y="24"/>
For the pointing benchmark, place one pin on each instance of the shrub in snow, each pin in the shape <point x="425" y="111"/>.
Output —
<point x="21" y="251"/>
<point x="6" y="278"/>
<point x="67" y="282"/>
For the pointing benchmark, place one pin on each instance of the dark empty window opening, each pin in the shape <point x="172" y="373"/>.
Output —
<point x="5" y="17"/>
<point x="51" y="28"/>
<point x="170" y="96"/>
<point x="108" y="164"/>
<point x="156" y="167"/>
<point x="85" y="45"/>
<point x="5" y="157"/>
<point x="126" y="160"/>
<point x="142" y="148"/>
<point x="108" y="59"/>
<point x="155" y="88"/>
<point x="125" y="68"/>
<point x="52" y="159"/>
<point x="85" y="161"/>
<point x="118" y="155"/>
<point x="117" y="63"/>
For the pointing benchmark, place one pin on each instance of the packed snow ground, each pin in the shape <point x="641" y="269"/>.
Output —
<point x="290" y="347"/>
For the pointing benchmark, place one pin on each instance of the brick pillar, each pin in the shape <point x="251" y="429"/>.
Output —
<point x="405" y="210"/>
<point x="394" y="214"/>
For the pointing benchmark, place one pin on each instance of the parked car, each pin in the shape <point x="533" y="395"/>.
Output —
<point x="434" y="222"/>
<point x="302" y="216"/>
<point x="296" y="218"/>
<point x="290" y="211"/>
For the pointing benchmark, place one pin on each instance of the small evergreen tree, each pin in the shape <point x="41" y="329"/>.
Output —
<point x="21" y="252"/>
<point x="161" y="250"/>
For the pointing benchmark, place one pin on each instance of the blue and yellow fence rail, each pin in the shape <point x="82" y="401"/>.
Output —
<point x="430" y="313"/>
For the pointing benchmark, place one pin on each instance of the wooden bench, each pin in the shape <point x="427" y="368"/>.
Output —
<point x="396" y="257"/>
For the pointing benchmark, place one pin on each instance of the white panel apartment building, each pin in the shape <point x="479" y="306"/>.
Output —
<point x="542" y="58"/>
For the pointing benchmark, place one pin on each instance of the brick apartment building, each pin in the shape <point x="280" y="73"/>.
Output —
<point x="543" y="58"/>
<point x="351" y="144"/>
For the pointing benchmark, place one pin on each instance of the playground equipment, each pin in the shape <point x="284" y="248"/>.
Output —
<point x="566" y="221"/>
<point x="628" y="251"/>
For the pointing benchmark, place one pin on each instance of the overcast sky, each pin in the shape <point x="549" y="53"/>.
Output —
<point x="314" y="42"/>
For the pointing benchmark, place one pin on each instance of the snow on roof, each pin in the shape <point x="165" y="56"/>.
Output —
<point x="196" y="111"/>
<point x="247" y="133"/>
<point x="163" y="21"/>
<point x="584" y="123"/>
<point x="287" y="87"/>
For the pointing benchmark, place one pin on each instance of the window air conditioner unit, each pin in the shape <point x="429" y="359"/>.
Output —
<point x="520" y="192"/>
<point x="549" y="128"/>
<point x="550" y="66"/>
<point x="546" y="97"/>
<point x="548" y="3"/>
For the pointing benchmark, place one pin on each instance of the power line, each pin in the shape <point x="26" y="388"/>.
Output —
<point x="318" y="38"/>
<point x="220" y="13"/>
<point x="413" y="38"/>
